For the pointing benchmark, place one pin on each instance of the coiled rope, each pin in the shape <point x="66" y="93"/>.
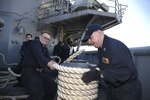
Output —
<point x="70" y="84"/>
<point x="7" y="79"/>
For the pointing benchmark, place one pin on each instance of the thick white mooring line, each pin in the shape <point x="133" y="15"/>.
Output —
<point x="70" y="84"/>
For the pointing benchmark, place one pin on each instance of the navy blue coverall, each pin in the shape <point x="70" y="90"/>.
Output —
<point x="119" y="71"/>
<point x="22" y="50"/>
<point x="39" y="84"/>
<point x="62" y="50"/>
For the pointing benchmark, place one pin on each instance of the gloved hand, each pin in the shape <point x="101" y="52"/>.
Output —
<point x="91" y="75"/>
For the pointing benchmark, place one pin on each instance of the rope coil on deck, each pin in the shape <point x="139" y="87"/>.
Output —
<point x="70" y="84"/>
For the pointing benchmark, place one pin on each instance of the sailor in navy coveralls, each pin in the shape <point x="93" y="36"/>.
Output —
<point x="116" y="66"/>
<point x="37" y="79"/>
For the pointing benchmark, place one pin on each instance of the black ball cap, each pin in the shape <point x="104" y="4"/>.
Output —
<point x="89" y="30"/>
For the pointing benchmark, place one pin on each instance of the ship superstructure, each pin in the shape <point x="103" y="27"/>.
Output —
<point x="71" y="17"/>
<point x="64" y="19"/>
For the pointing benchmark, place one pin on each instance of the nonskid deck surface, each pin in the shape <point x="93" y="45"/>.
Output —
<point x="12" y="90"/>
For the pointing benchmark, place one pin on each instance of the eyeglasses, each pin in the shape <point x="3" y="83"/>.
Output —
<point x="46" y="38"/>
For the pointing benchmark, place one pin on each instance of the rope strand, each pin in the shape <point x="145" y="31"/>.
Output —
<point x="70" y="84"/>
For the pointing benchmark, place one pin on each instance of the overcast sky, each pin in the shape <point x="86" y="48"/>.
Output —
<point x="134" y="30"/>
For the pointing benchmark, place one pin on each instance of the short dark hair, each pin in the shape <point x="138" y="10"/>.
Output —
<point x="28" y="35"/>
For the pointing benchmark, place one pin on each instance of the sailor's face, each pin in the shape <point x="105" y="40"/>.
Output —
<point x="45" y="38"/>
<point x="28" y="37"/>
<point x="95" y="39"/>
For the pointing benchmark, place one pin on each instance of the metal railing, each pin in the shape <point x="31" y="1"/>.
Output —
<point x="51" y="9"/>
